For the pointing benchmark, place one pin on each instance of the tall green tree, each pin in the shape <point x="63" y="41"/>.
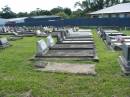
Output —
<point x="39" y="12"/>
<point x="93" y="5"/>
<point x="62" y="14"/>
<point x="7" y="13"/>
<point x="126" y="1"/>
<point x="67" y="11"/>
<point x="22" y="14"/>
<point x="57" y="10"/>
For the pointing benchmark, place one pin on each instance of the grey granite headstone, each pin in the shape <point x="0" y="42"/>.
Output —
<point x="41" y="48"/>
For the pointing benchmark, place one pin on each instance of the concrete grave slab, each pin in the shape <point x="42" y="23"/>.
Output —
<point x="87" y="42"/>
<point x="84" y="69"/>
<point x="85" y="30"/>
<point x="78" y="39"/>
<point x="73" y="46"/>
<point x="110" y="31"/>
<point x="68" y="54"/>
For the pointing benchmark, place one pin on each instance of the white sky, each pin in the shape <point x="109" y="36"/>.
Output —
<point x="29" y="5"/>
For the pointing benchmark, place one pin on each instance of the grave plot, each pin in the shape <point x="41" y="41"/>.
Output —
<point x="78" y="39"/>
<point x="68" y="49"/>
<point x="114" y="39"/>
<point x="117" y="45"/>
<point x="79" y="35"/>
<point x="84" y="30"/>
<point x="115" y="42"/>
<point x="84" y="69"/>
<point x="110" y="31"/>
<point x="112" y="34"/>
<point x="78" y="42"/>
<point x="109" y="39"/>
<point x="73" y="46"/>
<point x="124" y="60"/>
<point x="65" y="38"/>
<point x="102" y="32"/>
<point x="71" y="54"/>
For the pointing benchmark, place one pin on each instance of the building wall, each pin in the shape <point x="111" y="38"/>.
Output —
<point x="118" y="15"/>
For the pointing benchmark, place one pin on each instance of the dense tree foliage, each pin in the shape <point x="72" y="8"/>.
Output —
<point x="67" y="11"/>
<point x="86" y="6"/>
<point x="93" y="5"/>
<point x="7" y="13"/>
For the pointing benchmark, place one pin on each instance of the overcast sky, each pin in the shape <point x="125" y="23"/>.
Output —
<point x="29" y="5"/>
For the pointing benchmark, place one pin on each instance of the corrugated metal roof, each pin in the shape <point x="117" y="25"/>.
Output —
<point x="51" y="16"/>
<point x="119" y="8"/>
<point x="13" y="19"/>
<point x="17" y="20"/>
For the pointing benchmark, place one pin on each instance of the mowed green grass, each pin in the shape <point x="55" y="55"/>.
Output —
<point x="17" y="75"/>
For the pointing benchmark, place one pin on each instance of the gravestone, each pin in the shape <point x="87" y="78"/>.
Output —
<point x="79" y="34"/>
<point x="125" y="58"/>
<point x="4" y="42"/>
<point x="61" y="36"/>
<point x="38" y="32"/>
<point x="85" y="30"/>
<point x="41" y="48"/>
<point x="50" y="41"/>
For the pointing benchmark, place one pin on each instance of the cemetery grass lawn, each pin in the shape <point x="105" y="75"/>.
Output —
<point x="17" y="75"/>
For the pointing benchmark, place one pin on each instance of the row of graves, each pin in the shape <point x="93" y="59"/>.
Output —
<point x="15" y="33"/>
<point x="24" y="31"/>
<point x="32" y="31"/>
<point x="118" y="41"/>
<point x="70" y="45"/>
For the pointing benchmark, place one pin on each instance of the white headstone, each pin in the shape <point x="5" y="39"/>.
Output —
<point x="38" y="32"/>
<point x="50" y="41"/>
<point x="3" y="41"/>
<point x="70" y="31"/>
<point x="41" y="47"/>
